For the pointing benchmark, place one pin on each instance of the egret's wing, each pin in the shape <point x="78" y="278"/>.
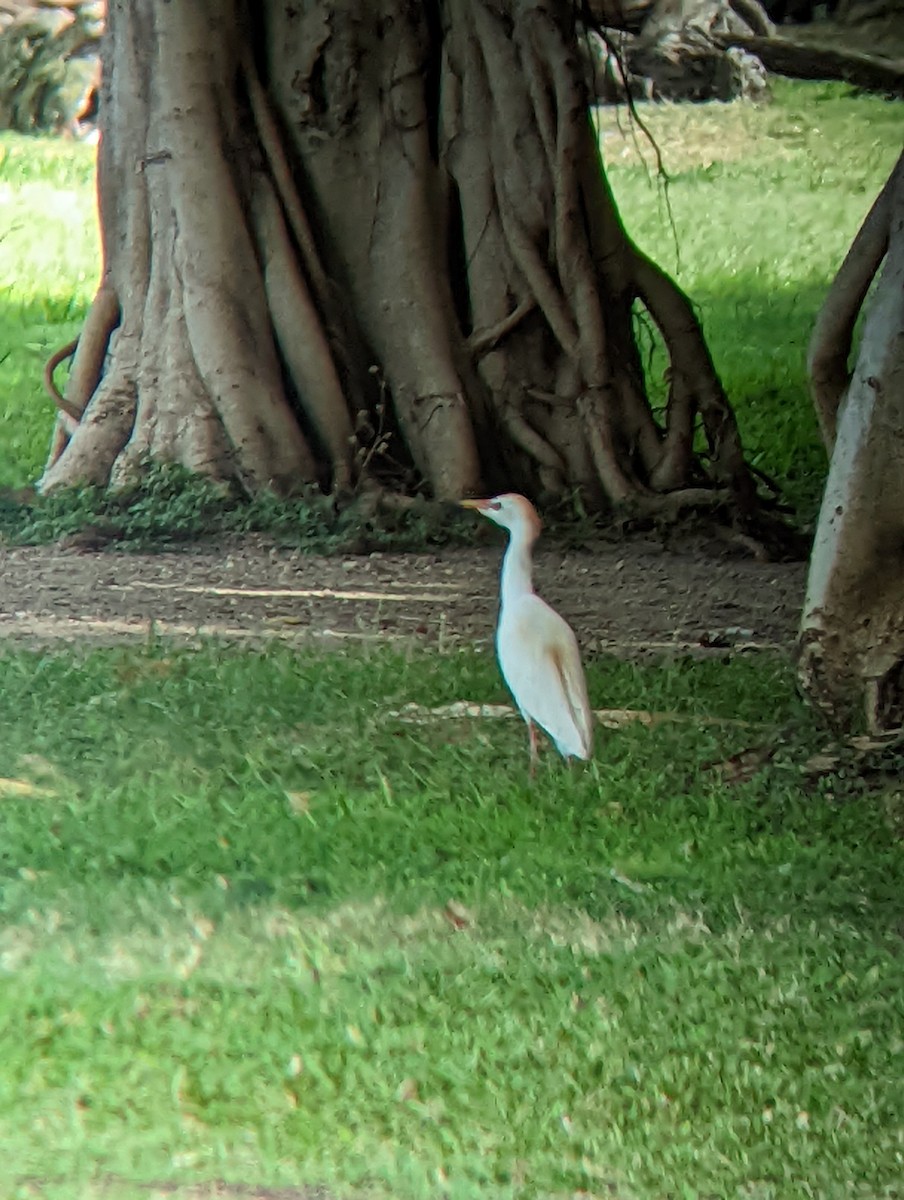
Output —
<point x="574" y="686"/>
<point x="539" y="657"/>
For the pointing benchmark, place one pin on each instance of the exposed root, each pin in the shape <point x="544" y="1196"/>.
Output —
<point x="104" y="429"/>
<point x="754" y="15"/>
<point x="308" y="357"/>
<point x="535" y="445"/>
<point x="70" y="414"/>
<point x="829" y="351"/>
<point x="483" y="340"/>
<point x="671" y="505"/>
<point x="548" y="295"/>
<point x="572" y="258"/>
<point x="756" y="548"/>
<point x="88" y="365"/>
<point x="572" y="241"/>
<point x="694" y="374"/>
<point x="88" y="351"/>
<point x="274" y="150"/>
<point x="602" y="446"/>
<point x="677" y="454"/>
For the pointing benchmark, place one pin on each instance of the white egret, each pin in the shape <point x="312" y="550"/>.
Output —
<point x="537" y="650"/>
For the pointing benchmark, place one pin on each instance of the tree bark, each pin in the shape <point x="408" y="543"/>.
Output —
<point x="852" y="632"/>
<point x="676" y="50"/>
<point x="351" y="244"/>
<point x="49" y="65"/>
<point x="805" y="61"/>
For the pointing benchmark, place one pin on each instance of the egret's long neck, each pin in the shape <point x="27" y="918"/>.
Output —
<point x="517" y="565"/>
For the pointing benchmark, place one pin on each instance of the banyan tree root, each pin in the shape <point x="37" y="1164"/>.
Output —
<point x="193" y="374"/>
<point x="384" y="218"/>
<point x="537" y="217"/>
<point x="833" y="337"/>
<point x="852" y="631"/>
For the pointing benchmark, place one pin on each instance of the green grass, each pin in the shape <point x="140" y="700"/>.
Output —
<point x="228" y="950"/>
<point x="765" y="201"/>
<point x="255" y="928"/>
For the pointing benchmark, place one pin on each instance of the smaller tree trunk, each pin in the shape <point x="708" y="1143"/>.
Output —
<point x="678" y="50"/>
<point x="49" y="65"/>
<point x="852" y="630"/>
<point x="806" y="61"/>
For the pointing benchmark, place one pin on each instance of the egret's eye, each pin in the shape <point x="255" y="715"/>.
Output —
<point x="494" y="505"/>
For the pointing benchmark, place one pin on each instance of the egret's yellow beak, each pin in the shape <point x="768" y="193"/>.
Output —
<point x="478" y="505"/>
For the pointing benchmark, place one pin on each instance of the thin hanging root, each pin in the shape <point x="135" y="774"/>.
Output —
<point x="619" y="487"/>
<point x="282" y="177"/>
<point x="482" y="341"/>
<point x="90" y="349"/>
<point x="830" y="345"/>
<point x="677" y="450"/>
<point x="549" y="298"/>
<point x="523" y="435"/>
<point x="691" y="361"/>
<point x="300" y="336"/>
<point x="68" y="412"/>
<point x="573" y="247"/>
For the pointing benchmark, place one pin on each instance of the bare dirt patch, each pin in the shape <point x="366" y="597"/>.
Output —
<point x="632" y="598"/>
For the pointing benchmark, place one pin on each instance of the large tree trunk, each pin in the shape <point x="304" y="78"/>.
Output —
<point x="853" y="623"/>
<point x="372" y="240"/>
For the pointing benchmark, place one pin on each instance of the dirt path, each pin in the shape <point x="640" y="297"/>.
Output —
<point x="632" y="597"/>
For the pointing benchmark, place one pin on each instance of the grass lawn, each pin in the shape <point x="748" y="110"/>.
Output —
<point x="255" y="928"/>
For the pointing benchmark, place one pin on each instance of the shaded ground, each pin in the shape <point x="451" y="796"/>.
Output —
<point x="632" y="598"/>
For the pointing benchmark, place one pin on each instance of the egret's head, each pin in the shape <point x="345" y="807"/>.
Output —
<point x="511" y="511"/>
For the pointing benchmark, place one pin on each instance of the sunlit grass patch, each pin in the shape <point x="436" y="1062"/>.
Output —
<point x="805" y="124"/>
<point x="49" y="266"/>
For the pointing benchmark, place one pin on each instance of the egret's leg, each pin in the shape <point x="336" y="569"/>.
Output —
<point x="534" y="754"/>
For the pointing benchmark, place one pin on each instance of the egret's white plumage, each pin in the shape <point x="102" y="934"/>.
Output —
<point x="537" y="650"/>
